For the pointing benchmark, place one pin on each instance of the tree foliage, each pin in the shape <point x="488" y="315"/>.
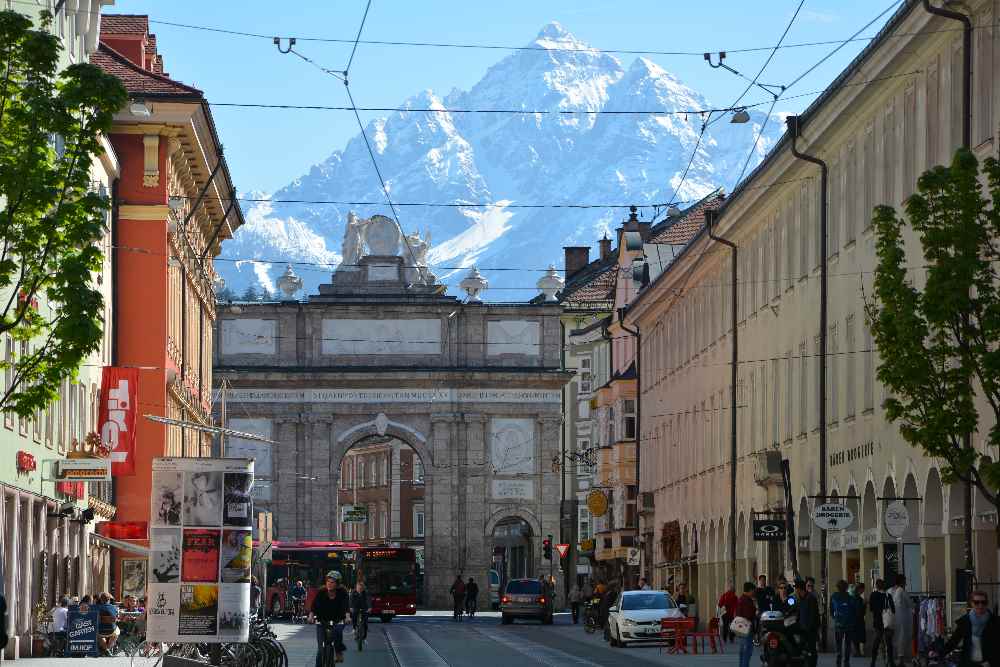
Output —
<point x="51" y="219"/>
<point x="939" y="344"/>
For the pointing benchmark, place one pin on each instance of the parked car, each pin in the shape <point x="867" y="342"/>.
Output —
<point x="635" y="617"/>
<point x="526" y="598"/>
<point x="494" y="590"/>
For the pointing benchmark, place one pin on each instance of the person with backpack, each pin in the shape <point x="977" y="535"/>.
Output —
<point x="844" y="614"/>
<point x="883" y="621"/>
<point x="860" y="637"/>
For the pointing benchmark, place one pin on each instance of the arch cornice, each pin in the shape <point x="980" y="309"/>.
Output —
<point x="381" y="425"/>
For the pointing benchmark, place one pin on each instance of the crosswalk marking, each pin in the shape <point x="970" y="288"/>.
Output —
<point x="410" y="649"/>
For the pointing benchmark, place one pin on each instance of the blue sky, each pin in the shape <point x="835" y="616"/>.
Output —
<point x="268" y="148"/>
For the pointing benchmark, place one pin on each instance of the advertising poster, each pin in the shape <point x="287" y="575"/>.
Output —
<point x="165" y="555"/>
<point x="237" y="554"/>
<point x="199" y="572"/>
<point x="236" y="510"/>
<point x="133" y="577"/>
<point x="199" y="610"/>
<point x="200" y="555"/>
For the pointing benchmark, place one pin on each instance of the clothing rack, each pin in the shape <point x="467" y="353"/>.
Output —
<point x="929" y="619"/>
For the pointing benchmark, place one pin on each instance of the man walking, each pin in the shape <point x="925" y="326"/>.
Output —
<point x="883" y="620"/>
<point x="808" y="619"/>
<point x="746" y="608"/>
<point x="842" y="609"/>
<point x="329" y="608"/>
<point x="902" y="634"/>
<point x="575" y="595"/>
<point x="458" y="598"/>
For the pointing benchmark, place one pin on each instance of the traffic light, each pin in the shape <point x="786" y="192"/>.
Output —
<point x="547" y="548"/>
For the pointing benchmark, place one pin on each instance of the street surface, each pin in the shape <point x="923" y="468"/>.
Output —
<point x="432" y="639"/>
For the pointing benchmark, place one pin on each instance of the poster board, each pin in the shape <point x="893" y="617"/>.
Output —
<point x="201" y="517"/>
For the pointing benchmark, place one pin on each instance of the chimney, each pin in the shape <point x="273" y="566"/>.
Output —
<point x="605" y="244"/>
<point x="577" y="257"/>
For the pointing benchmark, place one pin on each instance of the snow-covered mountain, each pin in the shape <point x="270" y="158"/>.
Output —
<point x="506" y="159"/>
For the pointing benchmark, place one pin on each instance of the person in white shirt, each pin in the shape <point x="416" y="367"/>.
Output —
<point x="903" y="635"/>
<point x="59" y="615"/>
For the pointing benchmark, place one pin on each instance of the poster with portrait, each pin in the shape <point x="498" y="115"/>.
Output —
<point x="237" y="555"/>
<point x="133" y="577"/>
<point x="168" y="493"/>
<point x="236" y="508"/>
<point x="198" y="578"/>
<point x="203" y="498"/>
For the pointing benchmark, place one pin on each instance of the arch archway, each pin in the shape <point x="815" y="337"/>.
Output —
<point x="932" y="532"/>
<point x="513" y="555"/>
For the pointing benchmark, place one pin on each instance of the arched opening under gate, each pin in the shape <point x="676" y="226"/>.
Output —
<point x="380" y="502"/>
<point x="513" y="557"/>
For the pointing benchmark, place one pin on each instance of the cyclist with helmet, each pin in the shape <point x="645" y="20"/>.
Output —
<point x="330" y="607"/>
<point x="298" y="594"/>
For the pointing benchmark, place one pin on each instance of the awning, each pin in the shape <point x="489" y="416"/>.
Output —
<point x="121" y="544"/>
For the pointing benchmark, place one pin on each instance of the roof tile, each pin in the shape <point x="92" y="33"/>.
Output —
<point x="137" y="80"/>
<point x="124" y="24"/>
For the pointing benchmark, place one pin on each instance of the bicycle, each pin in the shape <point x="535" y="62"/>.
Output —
<point x="470" y="607"/>
<point x="328" y="654"/>
<point x="361" y="631"/>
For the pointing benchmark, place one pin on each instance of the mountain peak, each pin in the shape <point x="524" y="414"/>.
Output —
<point x="553" y="30"/>
<point x="554" y="36"/>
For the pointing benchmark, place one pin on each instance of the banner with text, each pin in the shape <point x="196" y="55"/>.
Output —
<point x="201" y="546"/>
<point x="116" y="421"/>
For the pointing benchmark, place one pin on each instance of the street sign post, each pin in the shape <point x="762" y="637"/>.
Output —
<point x="563" y="550"/>
<point x="833" y="516"/>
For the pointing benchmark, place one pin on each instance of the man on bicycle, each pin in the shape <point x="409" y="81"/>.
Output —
<point x="361" y="604"/>
<point x="298" y="595"/>
<point x="471" y="597"/>
<point x="330" y="607"/>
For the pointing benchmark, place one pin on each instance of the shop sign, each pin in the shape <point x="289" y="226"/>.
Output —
<point x="769" y="530"/>
<point x="354" y="514"/>
<point x="633" y="556"/>
<point x="83" y="470"/>
<point x="896" y="519"/>
<point x="25" y="462"/>
<point x="124" y="530"/>
<point x="863" y="451"/>
<point x="852" y="539"/>
<point x="81" y="632"/>
<point x="597" y="503"/>
<point x="870" y="538"/>
<point x="833" y="516"/>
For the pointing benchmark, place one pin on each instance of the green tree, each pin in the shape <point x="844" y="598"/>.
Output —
<point x="939" y="344"/>
<point x="51" y="220"/>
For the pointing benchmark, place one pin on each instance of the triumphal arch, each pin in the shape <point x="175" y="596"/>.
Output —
<point x="382" y="353"/>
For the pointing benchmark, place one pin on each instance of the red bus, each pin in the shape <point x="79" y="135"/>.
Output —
<point x="309" y="562"/>
<point x="390" y="575"/>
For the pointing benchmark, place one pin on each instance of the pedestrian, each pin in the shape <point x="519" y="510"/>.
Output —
<point x="808" y="605"/>
<point x="607" y="600"/>
<point x="575" y="595"/>
<point x="902" y="635"/>
<point x="843" y="612"/>
<point x="457" y="597"/>
<point x="764" y="595"/>
<point x="979" y="634"/>
<point x="727" y="603"/>
<point x="685" y="600"/>
<point x="883" y="621"/>
<point x="330" y="607"/>
<point x="861" y="607"/>
<point x="107" y="624"/>
<point x="746" y="609"/>
<point x="471" y="596"/>
<point x="644" y="585"/>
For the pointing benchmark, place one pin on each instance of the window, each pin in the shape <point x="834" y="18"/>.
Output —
<point x="361" y="473"/>
<point x="803" y="389"/>
<point x="418" y="520"/>
<point x="8" y="377"/>
<point x="933" y="112"/>
<point x="374" y="471"/>
<point x="383" y="529"/>
<point x="833" y="361"/>
<point x="804" y="234"/>
<point x="819" y="394"/>
<point x="418" y="470"/>
<point x="629" y="421"/>
<point x="849" y="352"/>
<point x="889" y="158"/>
<point x="583" y="519"/>
<point x="22" y="422"/>
<point x="789" y="396"/>
<point x="869" y="353"/>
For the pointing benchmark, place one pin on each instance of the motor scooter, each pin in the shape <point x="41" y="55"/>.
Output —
<point x="783" y="643"/>
<point x="591" y="614"/>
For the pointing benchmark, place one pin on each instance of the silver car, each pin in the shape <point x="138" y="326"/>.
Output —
<point x="526" y="598"/>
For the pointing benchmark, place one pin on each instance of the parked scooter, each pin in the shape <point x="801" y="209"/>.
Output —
<point x="592" y="615"/>
<point x="783" y="644"/>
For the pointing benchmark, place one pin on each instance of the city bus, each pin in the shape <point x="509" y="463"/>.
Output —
<point x="308" y="561"/>
<point x="391" y="577"/>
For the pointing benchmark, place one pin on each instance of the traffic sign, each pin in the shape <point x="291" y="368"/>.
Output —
<point x="833" y="516"/>
<point x="897" y="518"/>
<point x="563" y="549"/>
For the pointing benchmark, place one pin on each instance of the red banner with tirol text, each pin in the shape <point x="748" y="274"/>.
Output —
<point x="119" y="397"/>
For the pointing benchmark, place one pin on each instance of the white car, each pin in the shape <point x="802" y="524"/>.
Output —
<point x="635" y="617"/>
